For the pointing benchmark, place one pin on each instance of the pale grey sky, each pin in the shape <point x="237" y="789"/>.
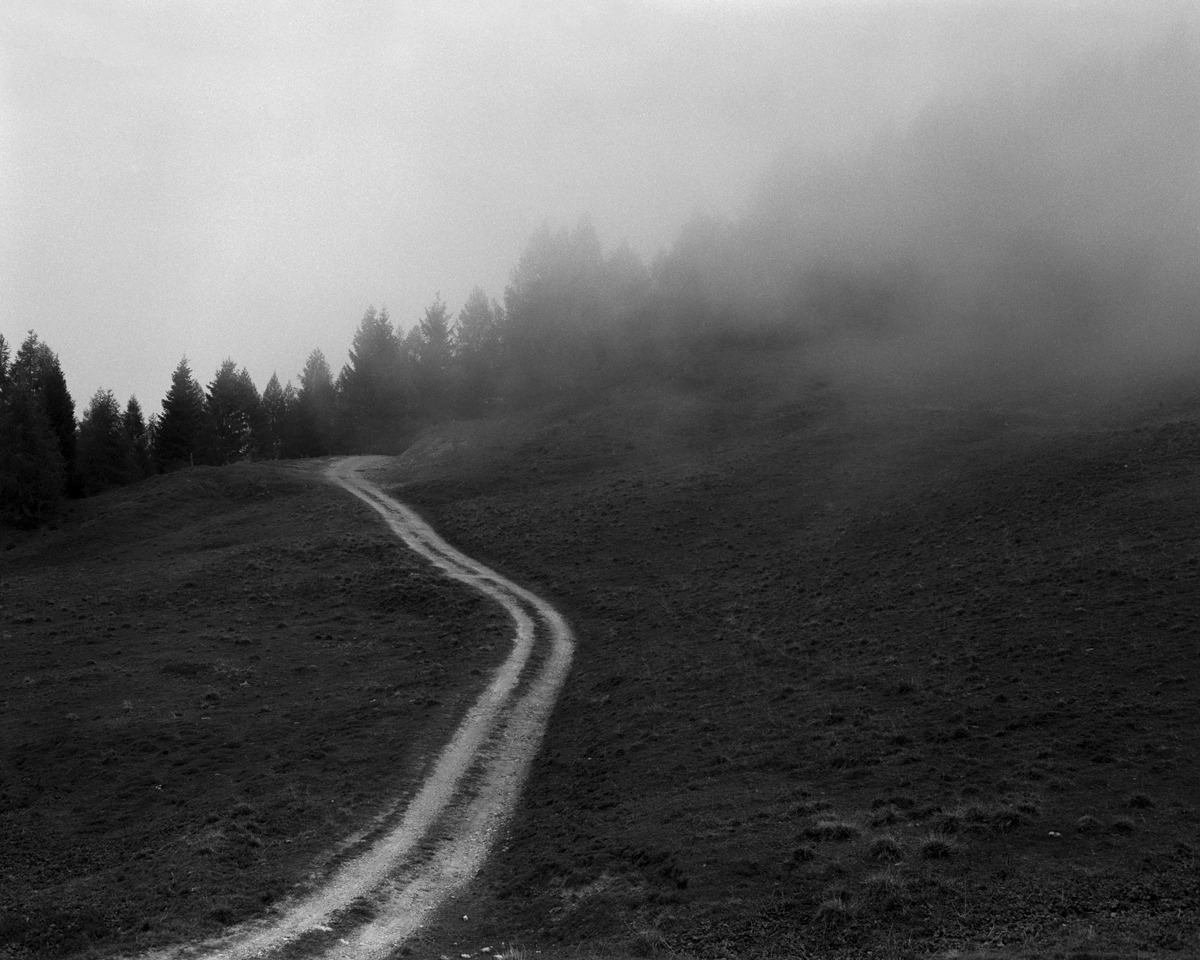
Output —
<point x="229" y="179"/>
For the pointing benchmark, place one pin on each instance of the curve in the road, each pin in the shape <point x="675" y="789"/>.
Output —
<point x="397" y="875"/>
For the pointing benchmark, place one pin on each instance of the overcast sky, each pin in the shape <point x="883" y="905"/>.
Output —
<point x="231" y="179"/>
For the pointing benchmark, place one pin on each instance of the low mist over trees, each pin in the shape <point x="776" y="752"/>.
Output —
<point x="432" y="356"/>
<point x="477" y="360"/>
<point x="373" y="385"/>
<point x="1037" y="227"/>
<point x="316" y="409"/>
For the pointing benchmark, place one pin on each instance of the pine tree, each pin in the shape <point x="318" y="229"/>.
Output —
<point x="552" y="305"/>
<point x="183" y="424"/>
<point x="372" y="385"/>
<point x="278" y="406"/>
<point x="433" y="357"/>
<point x="4" y="365"/>
<point x="235" y="414"/>
<point x="139" y="438"/>
<point x="32" y="473"/>
<point x="315" y="407"/>
<point x="36" y="370"/>
<point x="476" y="353"/>
<point x="105" y="451"/>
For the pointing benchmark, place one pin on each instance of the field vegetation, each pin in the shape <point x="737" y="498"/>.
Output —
<point x="883" y="671"/>
<point x="897" y="674"/>
<point x="874" y="512"/>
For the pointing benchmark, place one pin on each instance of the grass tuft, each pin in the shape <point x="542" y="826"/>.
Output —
<point x="886" y="889"/>
<point x="886" y="848"/>
<point x="835" y="910"/>
<point x="938" y="846"/>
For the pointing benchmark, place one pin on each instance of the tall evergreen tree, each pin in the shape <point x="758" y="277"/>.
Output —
<point x="372" y="384"/>
<point x="315" y="406"/>
<point x="290" y="435"/>
<point x="552" y="304"/>
<point x="36" y="370"/>
<point x="433" y="356"/>
<point x="139" y="438"/>
<point x="152" y="424"/>
<point x="32" y="473"/>
<point x="476" y="352"/>
<point x="235" y="414"/>
<point x="5" y="360"/>
<point x="105" y="451"/>
<point x="278" y="406"/>
<point x="183" y="424"/>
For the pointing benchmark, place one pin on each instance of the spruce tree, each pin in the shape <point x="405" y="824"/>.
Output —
<point x="139" y="438"/>
<point x="32" y="473"/>
<point x="4" y="365"/>
<point x="372" y="387"/>
<point x="105" y="451"/>
<point x="433" y="357"/>
<point x="182" y="425"/>
<point x="36" y="370"/>
<point x="235" y="414"/>
<point x="476" y="353"/>
<point x="276" y="418"/>
<point x="315" y="408"/>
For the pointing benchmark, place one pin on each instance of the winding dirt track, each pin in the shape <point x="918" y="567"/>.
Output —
<point x="449" y="826"/>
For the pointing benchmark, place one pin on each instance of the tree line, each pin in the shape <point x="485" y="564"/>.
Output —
<point x="575" y="318"/>
<point x="390" y="385"/>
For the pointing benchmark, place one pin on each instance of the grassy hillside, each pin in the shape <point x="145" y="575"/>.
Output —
<point x="860" y="671"/>
<point x="211" y="679"/>
<point x="863" y="671"/>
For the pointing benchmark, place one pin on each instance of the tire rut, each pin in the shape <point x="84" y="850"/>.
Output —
<point x="377" y="899"/>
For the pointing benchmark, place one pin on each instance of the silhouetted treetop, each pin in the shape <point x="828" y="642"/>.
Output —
<point x="183" y="423"/>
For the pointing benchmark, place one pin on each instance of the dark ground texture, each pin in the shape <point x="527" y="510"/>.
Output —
<point x="209" y="680"/>
<point x="860" y="672"/>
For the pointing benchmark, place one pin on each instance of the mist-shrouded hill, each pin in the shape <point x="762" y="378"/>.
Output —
<point x="859" y="671"/>
<point x="1046" y="217"/>
<point x="888" y="623"/>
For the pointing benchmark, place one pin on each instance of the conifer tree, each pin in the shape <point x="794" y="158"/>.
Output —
<point x="36" y="371"/>
<point x="476" y="352"/>
<point x="278" y="406"/>
<point x="32" y="473"/>
<point x="182" y="426"/>
<point x="372" y="384"/>
<point x="105" y="451"/>
<point x="4" y="364"/>
<point x="235" y="414"/>
<point x="139" y="438"/>
<point x="433" y="355"/>
<point x="315" y="408"/>
<point x="552" y="305"/>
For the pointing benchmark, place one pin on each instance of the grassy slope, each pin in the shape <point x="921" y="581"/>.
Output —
<point x="822" y="642"/>
<point x="901" y="674"/>
<point x="210" y="679"/>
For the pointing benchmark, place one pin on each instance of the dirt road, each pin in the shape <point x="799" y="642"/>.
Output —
<point x="381" y="894"/>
